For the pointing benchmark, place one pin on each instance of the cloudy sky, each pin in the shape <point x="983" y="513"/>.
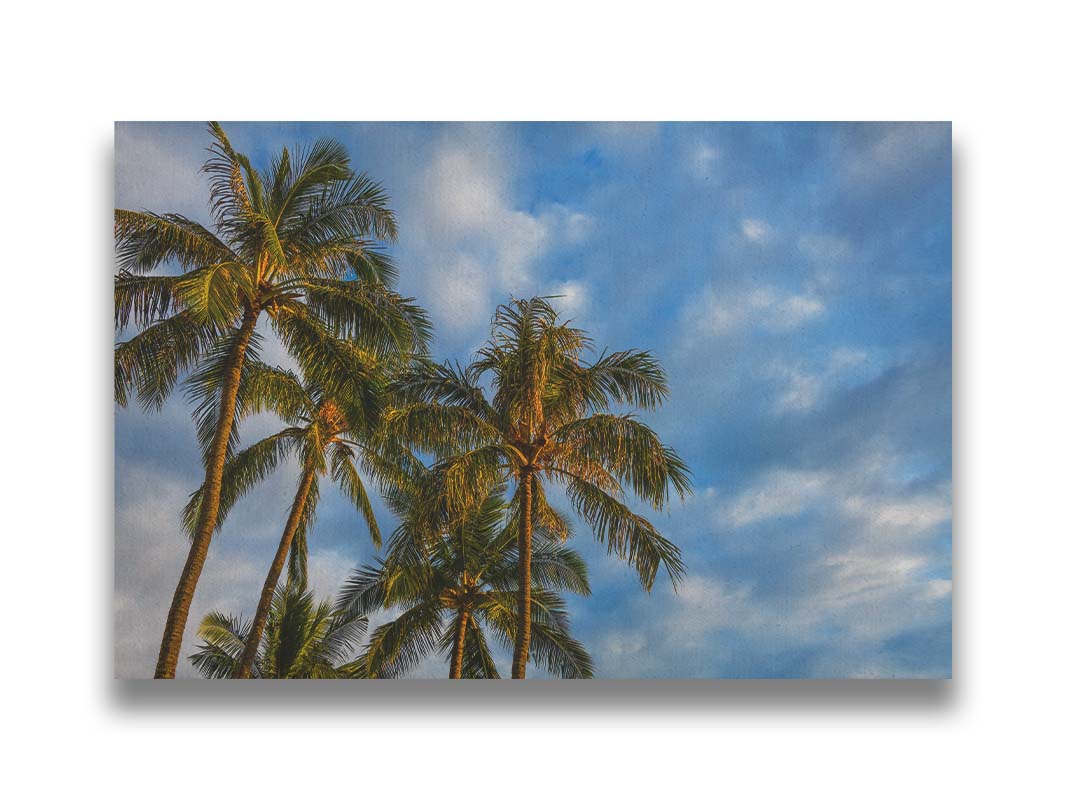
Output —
<point x="795" y="279"/>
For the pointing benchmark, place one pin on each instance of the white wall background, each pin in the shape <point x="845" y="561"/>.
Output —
<point x="68" y="73"/>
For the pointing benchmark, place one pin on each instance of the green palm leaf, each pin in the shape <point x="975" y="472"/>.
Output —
<point x="299" y="241"/>
<point x="531" y="406"/>
<point x="468" y="572"/>
<point x="629" y="535"/>
<point x="151" y="362"/>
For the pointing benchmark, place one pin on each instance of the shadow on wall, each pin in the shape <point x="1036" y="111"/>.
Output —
<point x="837" y="697"/>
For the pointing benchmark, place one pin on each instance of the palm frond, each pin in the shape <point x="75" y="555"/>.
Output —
<point x="231" y="203"/>
<point x="546" y="518"/>
<point x="145" y="241"/>
<point x="298" y="182"/>
<point x="344" y="473"/>
<point x="369" y="314"/>
<point x="223" y="643"/>
<point x="554" y="566"/>
<point x="626" y="447"/>
<point x="477" y="657"/>
<point x="625" y="533"/>
<point x="203" y="387"/>
<point x="443" y="384"/>
<point x="287" y="632"/>
<point x="397" y="646"/>
<point x="241" y="473"/>
<point x="345" y="630"/>
<point x="151" y="362"/>
<point x="363" y="592"/>
<point x="338" y="367"/>
<point x="465" y="479"/>
<point x="217" y="293"/>
<point x="297" y="575"/>
<point x="269" y="388"/>
<point x="560" y="653"/>
<point x="440" y="429"/>
<point x="356" y="207"/>
<point x="634" y="377"/>
<point x="146" y="299"/>
<point x="551" y="645"/>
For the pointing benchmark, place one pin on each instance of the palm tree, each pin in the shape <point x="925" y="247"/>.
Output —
<point x="298" y="243"/>
<point x="327" y="434"/>
<point x="469" y="573"/>
<point x="302" y="639"/>
<point x="550" y="418"/>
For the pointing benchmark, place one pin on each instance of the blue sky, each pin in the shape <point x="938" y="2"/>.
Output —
<point x="795" y="280"/>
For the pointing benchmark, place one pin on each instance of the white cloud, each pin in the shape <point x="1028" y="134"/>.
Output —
<point x="625" y="138"/>
<point x="623" y="643"/>
<point x="468" y="209"/>
<point x="711" y="604"/>
<point x="871" y="594"/>
<point x="474" y="245"/>
<point x="565" y="224"/>
<point x="938" y="588"/>
<point x="723" y="311"/>
<point x="868" y="574"/>
<point x="854" y="586"/>
<point x="460" y="293"/>
<point x="914" y="515"/>
<point x="899" y="150"/>
<point x="794" y="310"/>
<point x="858" y="571"/>
<point x="327" y="571"/>
<point x="572" y="297"/>
<point x="577" y="227"/>
<point x="464" y="188"/>
<point x="521" y="240"/>
<point x="158" y="168"/>
<point x="755" y="230"/>
<point x="863" y="491"/>
<point x="802" y="391"/>
<point x="623" y="652"/>
<point x="846" y="358"/>
<point x="804" y="387"/>
<point x="903" y="144"/>
<point x="779" y="493"/>
<point x="705" y="158"/>
<point x="825" y="248"/>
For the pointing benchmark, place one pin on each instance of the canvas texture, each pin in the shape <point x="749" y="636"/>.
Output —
<point x="533" y="400"/>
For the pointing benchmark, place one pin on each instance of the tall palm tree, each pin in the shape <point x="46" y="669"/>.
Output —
<point x="469" y="573"/>
<point x="327" y="434"/>
<point x="302" y="639"/>
<point x="298" y="243"/>
<point x="550" y="419"/>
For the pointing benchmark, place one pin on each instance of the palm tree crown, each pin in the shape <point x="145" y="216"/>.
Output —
<point x="298" y="243"/>
<point x="549" y="418"/>
<point x="328" y="434"/>
<point x="303" y="639"/>
<point x="462" y="585"/>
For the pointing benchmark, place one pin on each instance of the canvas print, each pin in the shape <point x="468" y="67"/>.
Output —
<point x="533" y="400"/>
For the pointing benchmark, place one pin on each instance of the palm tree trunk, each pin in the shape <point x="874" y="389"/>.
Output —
<point x="522" y="635"/>
<point x="209" y="505"/>
<point x="456" y="669"/>
<point x="248" y="657"/>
